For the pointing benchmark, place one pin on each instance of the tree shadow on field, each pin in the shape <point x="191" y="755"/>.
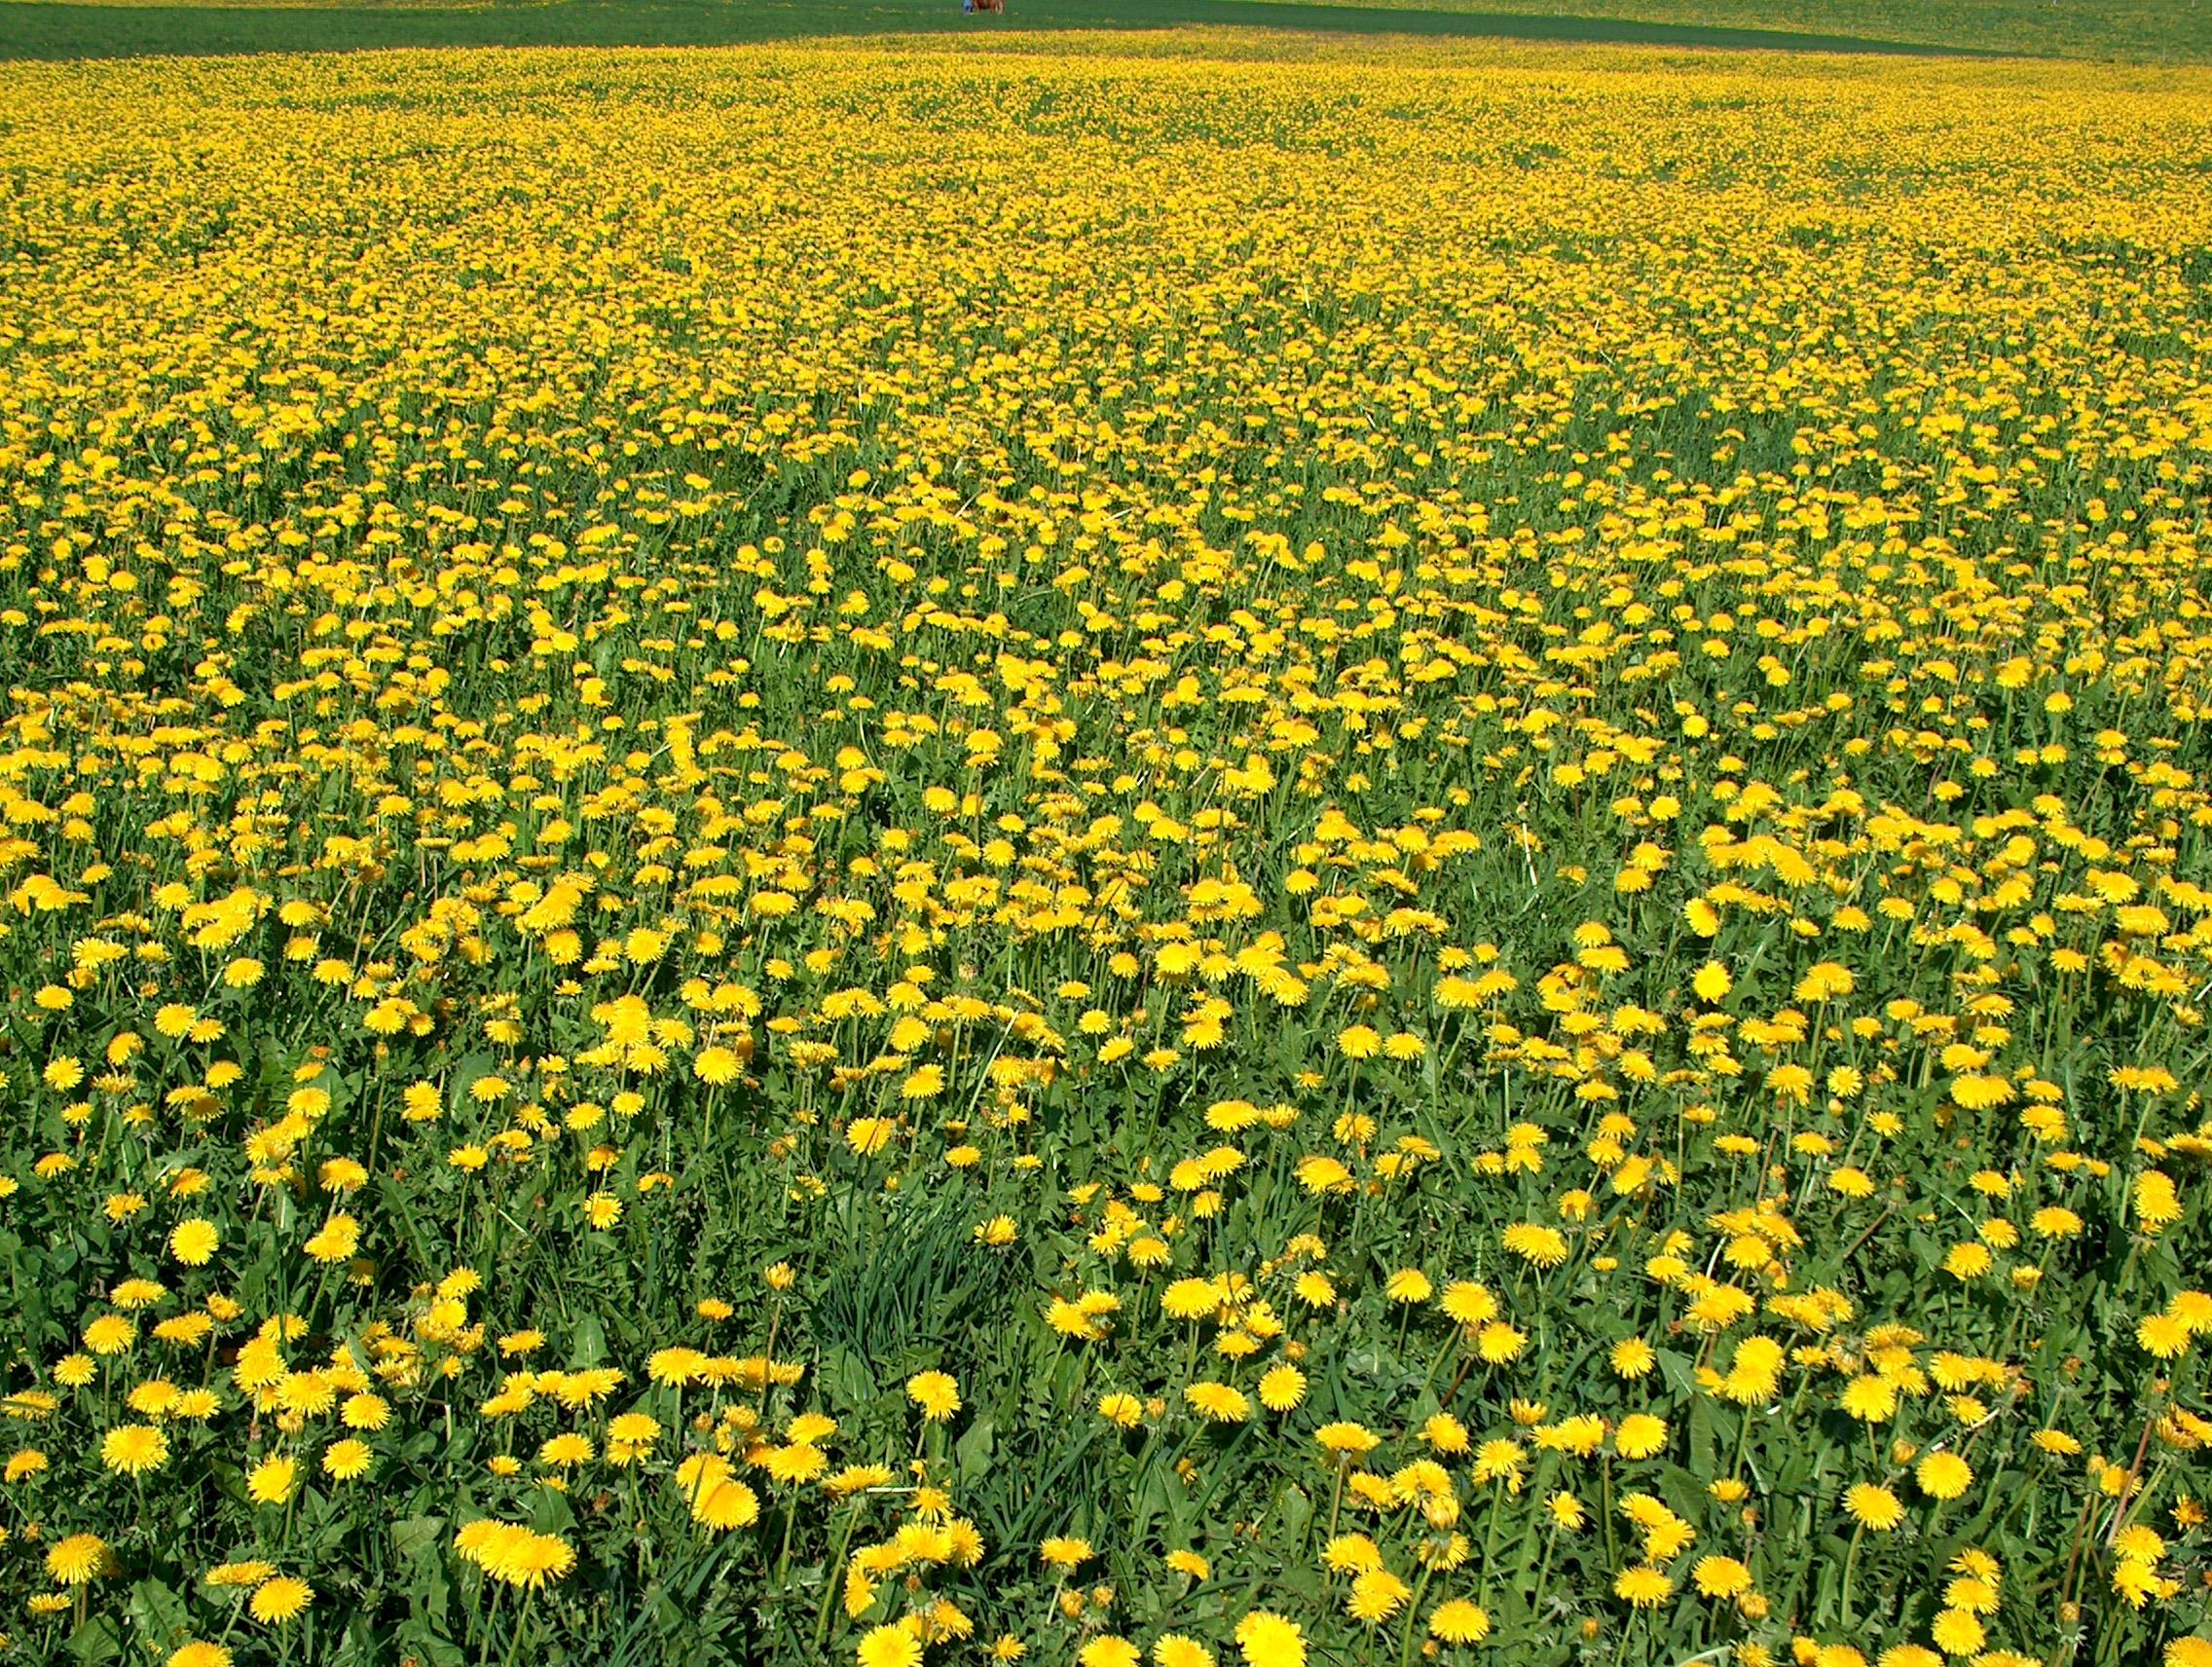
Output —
<point x="37" y="30"/>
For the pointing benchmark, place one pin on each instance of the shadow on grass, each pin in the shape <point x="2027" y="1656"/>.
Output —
<point x="75" y="31"/>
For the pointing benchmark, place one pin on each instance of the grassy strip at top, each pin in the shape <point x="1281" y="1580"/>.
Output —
<point x="86" y="31"/>
<point x="2157" y="31"/>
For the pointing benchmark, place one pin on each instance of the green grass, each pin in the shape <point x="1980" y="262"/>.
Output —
<point x="30" y="29"/>
<point x="2168" y="31"/>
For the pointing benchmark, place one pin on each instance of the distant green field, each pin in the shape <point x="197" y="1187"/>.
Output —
<point x="2144" y="30"/>
<point x="2154" y="31"/>
<point x="30" y="28"/>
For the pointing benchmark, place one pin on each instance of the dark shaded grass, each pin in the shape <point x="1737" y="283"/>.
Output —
<point x="75" y="31"/>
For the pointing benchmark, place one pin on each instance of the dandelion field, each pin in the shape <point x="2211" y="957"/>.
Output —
<point x="1105" y="851"/>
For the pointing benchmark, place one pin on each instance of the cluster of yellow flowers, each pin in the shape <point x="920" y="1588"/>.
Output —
<point x="931" y="854"/>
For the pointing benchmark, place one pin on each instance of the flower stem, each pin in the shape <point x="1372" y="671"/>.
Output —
<point x="1850" y="1569"/>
